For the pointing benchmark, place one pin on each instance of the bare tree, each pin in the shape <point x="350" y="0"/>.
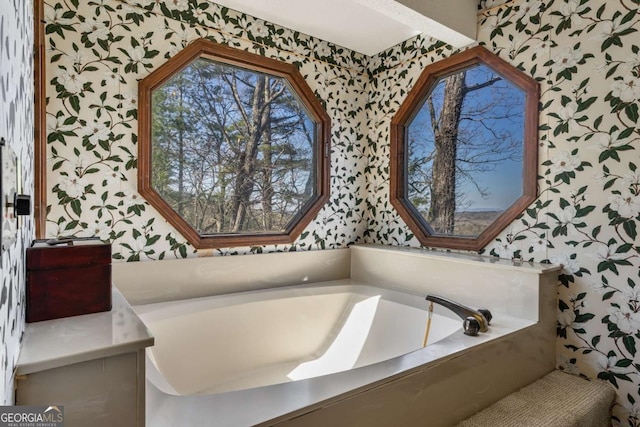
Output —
<point x="461" y="132"/>
<point x="247" y="148"/>
<point x="445" y="130"/>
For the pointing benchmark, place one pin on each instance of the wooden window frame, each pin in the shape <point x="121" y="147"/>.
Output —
<point x="40" y="121"/>
<point x="400" y="122"/>
<point x="204" y="48"/>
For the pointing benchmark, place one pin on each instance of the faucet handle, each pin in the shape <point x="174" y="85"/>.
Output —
<point x="464" y="312"/>
<point x="471" y="326"/>
<point x="487" y="314"/>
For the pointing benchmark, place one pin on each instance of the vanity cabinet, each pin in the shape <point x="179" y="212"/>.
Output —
<point x="93" y="365"/>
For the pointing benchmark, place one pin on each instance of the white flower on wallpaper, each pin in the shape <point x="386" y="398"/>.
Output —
<point x="572" y="11"/>
<point x="627" y="320"/>
<point x="627" y="88"/>
<point x="632" y="179"/>
<point x="539" y="244"/>
<point x="610" y="28"/>
<point x="609" y="364"/>
<point x="527" y="9"/>
<point x="79" y="57"/>
<point x="72" y="81"/>
<point x="566" y="318"/>
<point x="608" y="140"/>
<point x="605" y="252"/>
<point x="73" y="186"/>
<point x="112" y="79"/>
<point x="566" y="218"/>
<point x="99" y="229"/>
<point x="626" y="204"/>
<point x="57" y="125"/>
<point x="95" y="131"/>
<point x="490" y="24"/>
<point x="138" y="55"/>
<point x="505" y="249"/>
<point x="258" y="29"/>
<point x="568" y="57"/>
<point x="95" y="30"/>
<point x="567" y="261"/>
<point x="541" y="48"/>
<point x="55" y="16"/>
<point x="564" y="161"/>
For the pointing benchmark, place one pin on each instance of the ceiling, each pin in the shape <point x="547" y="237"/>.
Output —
<point x="366" y="26"/>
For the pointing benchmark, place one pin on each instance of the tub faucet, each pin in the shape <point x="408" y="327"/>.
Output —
<point x="474" y="320"/>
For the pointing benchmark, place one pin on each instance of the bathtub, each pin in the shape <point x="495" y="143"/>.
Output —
<point x="255" y="339"/>
<point x="310" y="339"/>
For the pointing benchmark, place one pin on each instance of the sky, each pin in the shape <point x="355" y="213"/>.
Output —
<point x="490" y="133"/>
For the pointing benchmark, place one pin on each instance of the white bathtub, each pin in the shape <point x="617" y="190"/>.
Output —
<point x="319" y="347"/>
<point x="254" y="339"/>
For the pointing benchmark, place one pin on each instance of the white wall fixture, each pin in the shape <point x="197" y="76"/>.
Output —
<point x="13" y="204"/>
<point x="8" y="190"/>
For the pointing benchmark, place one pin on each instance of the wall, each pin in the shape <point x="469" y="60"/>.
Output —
<point x="16" y="126"/>
<point x="582" y="53"/>
<point x="96" y="55"/>
<point x="586" y="57"/>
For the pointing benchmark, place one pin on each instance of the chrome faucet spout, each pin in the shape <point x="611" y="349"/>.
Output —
<point x="482" y="316"/>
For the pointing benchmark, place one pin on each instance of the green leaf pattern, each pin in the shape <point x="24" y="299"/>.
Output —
<point x="97" y="53"/>
<point x="16" y="127"/>
<point x="584" y="53"/>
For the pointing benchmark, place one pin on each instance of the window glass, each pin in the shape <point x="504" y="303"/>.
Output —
<point x="233" y="149"/>
<point x="465" y="150"/>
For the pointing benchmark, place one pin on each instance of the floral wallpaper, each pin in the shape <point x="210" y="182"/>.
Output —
<point x="16" y="127"/>
<point x="97" y="52"/>
<point x="584" y="53"/>
<point x="586" y="57"/>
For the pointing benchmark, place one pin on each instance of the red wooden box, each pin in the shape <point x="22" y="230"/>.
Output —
<point x="67" y="280"/>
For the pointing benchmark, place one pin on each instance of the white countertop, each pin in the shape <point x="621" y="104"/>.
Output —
<point x="60" y="342"/>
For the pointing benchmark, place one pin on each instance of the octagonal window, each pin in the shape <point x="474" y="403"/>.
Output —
<point x="464" y="150"/>
<point x="232" y="147"/>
